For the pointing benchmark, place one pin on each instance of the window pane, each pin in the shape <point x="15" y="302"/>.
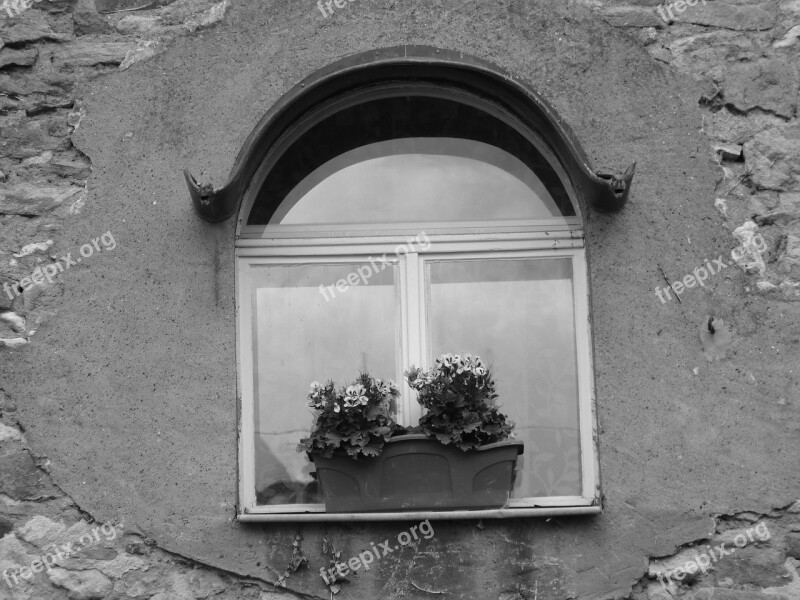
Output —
<point x="302" y="335"/>
<point x="517" y="315"/>
<point x="425" y="122"/>
<point x="415" y="180"/>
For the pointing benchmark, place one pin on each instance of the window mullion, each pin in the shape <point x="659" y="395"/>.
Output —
<point x="413" y="351"/>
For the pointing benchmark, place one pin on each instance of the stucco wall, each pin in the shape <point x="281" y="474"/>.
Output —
<point x="124" y="382"/>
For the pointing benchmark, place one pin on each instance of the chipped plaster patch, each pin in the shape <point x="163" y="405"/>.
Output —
<point x="31" y="248"/>
<point x="41" y="530"/>
<point x="9" y="433"/>
<point x="791" y="589"/>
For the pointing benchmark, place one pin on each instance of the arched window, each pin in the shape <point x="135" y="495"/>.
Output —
<point x="395" y="211"/>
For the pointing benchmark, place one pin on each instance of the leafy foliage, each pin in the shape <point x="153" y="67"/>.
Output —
<point x="298" y="560"/>
<point x="356" y="419"/>
<point x="458" y="392"/>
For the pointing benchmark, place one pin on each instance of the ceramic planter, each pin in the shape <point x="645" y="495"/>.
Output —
<point x="415" y="472"/>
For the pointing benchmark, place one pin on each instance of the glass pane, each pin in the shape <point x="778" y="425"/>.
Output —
<point x="306" y="331"/>
<point x="517" y="315"/>
<point x="415" y="180"/>
<point x="427" y="123"/>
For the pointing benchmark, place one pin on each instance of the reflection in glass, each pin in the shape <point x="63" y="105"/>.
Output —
<point x="518" y="316"/>
<point x="413" y="180"/>
<point x="302" y="335"/>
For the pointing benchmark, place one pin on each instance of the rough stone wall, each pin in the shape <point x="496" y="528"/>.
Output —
<point x="744" y="57"/>
<point x="44" y="51"/>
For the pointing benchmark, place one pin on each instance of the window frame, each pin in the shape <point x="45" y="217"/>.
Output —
<point x="387" y="90"/>
<point x="465" y="245"/>
<point x="558" y="236"/>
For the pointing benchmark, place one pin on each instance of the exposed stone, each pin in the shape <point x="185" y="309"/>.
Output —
<point x="665" y="567"/>
<point x="6" y="526"/>
<point x="752" y="565"/>
<point x="766" y="286"/>
<point x="7" y="434"/>
<point x="75" y="117"/>
<point x="98" y="553"/>
<point x="5" y="301"/>
<point x="78" y="168"/>
<point x="82" y="585"/>
<point x="737" y="129"/>
<point x="631" y="16"/>
<point x="87" y="20"/>
<point x="793" y="545"/>
<point x="748" y="254"/>
<point x="35" y="104"/>
<point x="7" y="105"/>
<point x="42" y="159"/>
<point x="706" y="53"/>
<point x="25" y="139"/>
<point x="12" y="551"/>
<point x="727" y="594"/>
<point x="730" y="15"/>
<point x="208" y="17"/>
<point x="758" y="534"/>
<point x="788" y="39"/>
<point x="722" y="206"/>
<point x="12" y="343"/>
<point x="22" y="479"/>
<point x="88" y="53"/>
<point x="121" y="565"/>
<point x="204" y="584"/>
<point x="6" y="403"/>
<point x="790" y="288"/>
<point x="772" y="155"/>
<point x="112" y="6"/>
<point x="34" y="247"/>
<point x="767" y="84"/>
<point x="144" y="50"/>
<point x="789" y="261"/>
<point x="647" y="35"/>
<point x="787" y="211"/>
<point x="41" y="531"/>
<point x="32" y="200"/>
<point x="21" y="85"/>
<point x="16" y="322"/>
<point x="30" y="30"/>
<point x="137" y="24"/>
<point x="20" y="58"/>
<point x="727" y="151"/>
<point x="135" y="545"/>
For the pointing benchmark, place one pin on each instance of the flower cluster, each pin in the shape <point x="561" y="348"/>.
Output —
<point x="354" y="396"/>
<point x="458" y="393"/>
<point x="357" y="419"/>
<point x="466" y="371"/>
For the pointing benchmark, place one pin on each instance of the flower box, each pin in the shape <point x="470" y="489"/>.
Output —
<point x="416" y="472"/>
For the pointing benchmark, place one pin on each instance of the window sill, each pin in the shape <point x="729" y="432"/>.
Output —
<point x="444" y="515"/>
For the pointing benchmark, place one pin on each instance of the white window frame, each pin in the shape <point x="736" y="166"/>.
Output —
<point x="539" y="241"/>
<point x="286" y="244"/>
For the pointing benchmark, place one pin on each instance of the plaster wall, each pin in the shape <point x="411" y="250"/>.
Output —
<point x="130" y="393"/>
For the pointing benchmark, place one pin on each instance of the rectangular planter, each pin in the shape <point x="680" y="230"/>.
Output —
<point x="416" y="472"/>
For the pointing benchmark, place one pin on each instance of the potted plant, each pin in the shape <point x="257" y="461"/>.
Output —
<point x="355" y="421"/>
<point x="459" y="456"/>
